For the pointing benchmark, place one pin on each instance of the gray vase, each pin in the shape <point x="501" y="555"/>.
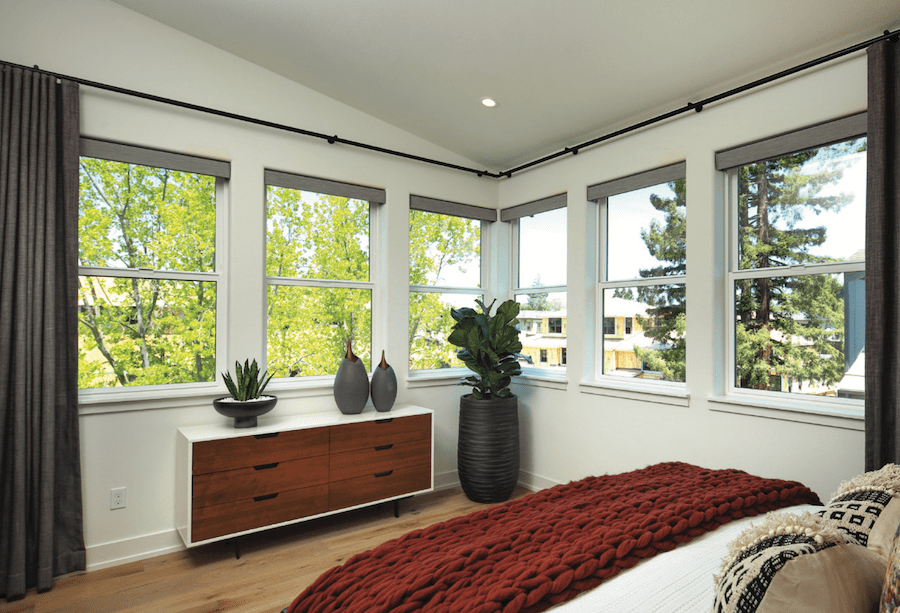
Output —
<point x="384" y="386"/>
<point x="351" y="384"/>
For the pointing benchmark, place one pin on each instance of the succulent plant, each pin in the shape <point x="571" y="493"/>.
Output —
<point x="249" y="384"/>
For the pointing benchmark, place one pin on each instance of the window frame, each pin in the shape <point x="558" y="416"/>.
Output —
<point x="157" y="158"/>
<point x="376" y="197"/>
<point x="486" y="217"/>
<point x="511" y="216"/>
<point x="729" y="163"/>
<point x="598" y="195"/>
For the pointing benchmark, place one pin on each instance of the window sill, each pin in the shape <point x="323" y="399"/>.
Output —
<point x="147" y="397"/>
<point x="662" y="393"/>
<point x="847" y="415"/>
<point x="438" y="377"/>
<point x="538" y="379"/>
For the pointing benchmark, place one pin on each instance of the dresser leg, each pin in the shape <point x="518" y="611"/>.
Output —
<point x="397" y="508"/>
<point x="237" y="549"/>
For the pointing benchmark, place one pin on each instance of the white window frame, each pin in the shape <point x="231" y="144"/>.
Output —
<point x="144" y="156"/>
<point x="512" y="215"/>
<point x="375" y="197"/>
<point x="767" y="402"/>
<point x="468" y="211"/>
<point x="595" y="381"/>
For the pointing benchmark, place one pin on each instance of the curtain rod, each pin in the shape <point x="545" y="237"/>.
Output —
<point x="695" y="106"/>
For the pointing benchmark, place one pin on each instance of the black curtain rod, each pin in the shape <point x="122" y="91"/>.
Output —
<point x="695" y="106"/>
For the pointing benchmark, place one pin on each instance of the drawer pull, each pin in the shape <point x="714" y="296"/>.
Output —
<point x="384" y="447"/>
<point x="266" y="497"/>
<point x="269" y="435"/>
<point x="384" y="474"/>
<point x="384" y="421"/>
<point x="266" y="466"/>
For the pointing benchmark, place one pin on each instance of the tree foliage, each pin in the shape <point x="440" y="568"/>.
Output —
<point x="438" y="243"/>
<point x="135" y="331"/>
<point x="666" y="241"/>
<point x="316" y="236"/>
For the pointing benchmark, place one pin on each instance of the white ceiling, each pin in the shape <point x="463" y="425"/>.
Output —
<point x="562" y="72"/>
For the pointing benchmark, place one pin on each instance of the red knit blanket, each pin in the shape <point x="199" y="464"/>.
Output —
<point x="547" y="547"/>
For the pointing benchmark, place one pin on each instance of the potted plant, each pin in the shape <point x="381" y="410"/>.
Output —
<point x="246" y="402"/>
<point x="488" y="448"/>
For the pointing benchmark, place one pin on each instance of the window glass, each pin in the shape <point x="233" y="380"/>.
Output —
<point x="319" y="294"/>
<point x="444" y="254"/>
<point x="444" y="250"/>
<point x="429" y="326"/>
<point x="646" y="231"/>
<point x="137" y="327"/>
<point x="542" y="249"/>
<point x="644" y="332"/>
<point x="801" y="330"/>
<point x="542" y="329"/>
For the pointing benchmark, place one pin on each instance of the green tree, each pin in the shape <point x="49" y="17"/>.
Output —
<point x="436" y="243"/>
<point x="139" y="331"/>
<point x="789" y="325"/>
<point x="316" y="237"/>
<point x="540" y="301"/>
<point x="665" y="323"/>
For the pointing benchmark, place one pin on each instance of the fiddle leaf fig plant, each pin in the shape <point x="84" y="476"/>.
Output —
<point x="489" y="346"/>
<point x="247" y="384"/>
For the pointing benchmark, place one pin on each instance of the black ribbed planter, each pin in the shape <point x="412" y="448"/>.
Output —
<point x="488" y="450"/>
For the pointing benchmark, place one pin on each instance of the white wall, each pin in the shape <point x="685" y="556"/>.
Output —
<point x="133" y="444"/>
<point x="571" y="433"/>
<point x="566" y="434"/>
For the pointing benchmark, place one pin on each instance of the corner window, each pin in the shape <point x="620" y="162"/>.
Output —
<point x="539" y="237"/>
<point x="148" y="276"/>
<point x="797" y="263"/>
<point x="319" y="271"/>
<point x="445" y="247"/>
<point x="642" y="275"/>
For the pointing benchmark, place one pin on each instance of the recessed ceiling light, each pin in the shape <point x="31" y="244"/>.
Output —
<point x="489" y="102"/>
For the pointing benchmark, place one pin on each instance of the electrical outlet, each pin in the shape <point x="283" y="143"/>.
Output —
<point x="117" y="498"/>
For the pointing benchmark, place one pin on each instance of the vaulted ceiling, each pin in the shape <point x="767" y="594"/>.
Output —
<point x="561" y="72"/>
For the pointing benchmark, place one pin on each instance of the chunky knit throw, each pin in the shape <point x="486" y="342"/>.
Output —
<point x="547" y="547"/>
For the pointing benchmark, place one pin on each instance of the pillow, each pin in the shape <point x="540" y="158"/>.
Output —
<point x="801" y="564"/>
<point x="867" y="508"/>
<point x="890" y="594"/>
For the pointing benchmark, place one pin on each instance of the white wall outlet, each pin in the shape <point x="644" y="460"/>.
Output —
<point x="117" y="498"/>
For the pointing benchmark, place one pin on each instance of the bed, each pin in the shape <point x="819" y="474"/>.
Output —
<point x="561" y="548"/>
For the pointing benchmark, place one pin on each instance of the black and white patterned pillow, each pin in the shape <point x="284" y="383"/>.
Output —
<point x="798" y="564"/>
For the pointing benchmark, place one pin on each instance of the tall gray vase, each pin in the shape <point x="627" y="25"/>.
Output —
<point x="384" y="386"/>
<point x="488" y="449"/>
<point x="351" y="384"/>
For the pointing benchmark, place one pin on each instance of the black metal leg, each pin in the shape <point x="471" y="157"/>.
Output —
<point x="397" y="508"/>
<point x="237" y="549"/>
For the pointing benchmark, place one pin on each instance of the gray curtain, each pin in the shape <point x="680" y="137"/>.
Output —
<point x="883" y="257"/>
<point x="40" y="468"/>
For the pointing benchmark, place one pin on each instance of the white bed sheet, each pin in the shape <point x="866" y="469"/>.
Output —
<point x="678" y="581"/>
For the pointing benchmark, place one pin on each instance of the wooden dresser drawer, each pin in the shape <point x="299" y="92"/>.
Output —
<point x="231" y="485"/>
<point x="372" y="460"/>
<point x="376" y="486"/>
<point x="253" y="450"/>
<point x="348" y="437"/>
<point x="222" y="519"/>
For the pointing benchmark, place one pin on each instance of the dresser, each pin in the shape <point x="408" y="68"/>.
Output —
<point x="288" y="469"/>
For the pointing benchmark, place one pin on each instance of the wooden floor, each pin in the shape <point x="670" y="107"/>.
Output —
<point x="275" y="566"/>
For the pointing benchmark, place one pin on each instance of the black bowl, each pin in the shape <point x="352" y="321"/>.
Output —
<point x="244" y="412"/>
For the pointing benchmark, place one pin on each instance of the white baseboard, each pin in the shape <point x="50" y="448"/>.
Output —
<point x="133" y="549"/>
<point x="529" y="481"/>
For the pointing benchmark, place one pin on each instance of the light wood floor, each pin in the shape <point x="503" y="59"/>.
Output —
<point x="275" y="566"/>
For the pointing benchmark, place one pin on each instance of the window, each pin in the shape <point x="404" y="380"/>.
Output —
<point x="797" y="262"/>
<point x="445" y="247"/>
<point x="148" y="273"/>
<point x="539" y="239"/>
<point x="562" y="356"/>
<point x="319" y="273"/>
<point x="642" y="274"/>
